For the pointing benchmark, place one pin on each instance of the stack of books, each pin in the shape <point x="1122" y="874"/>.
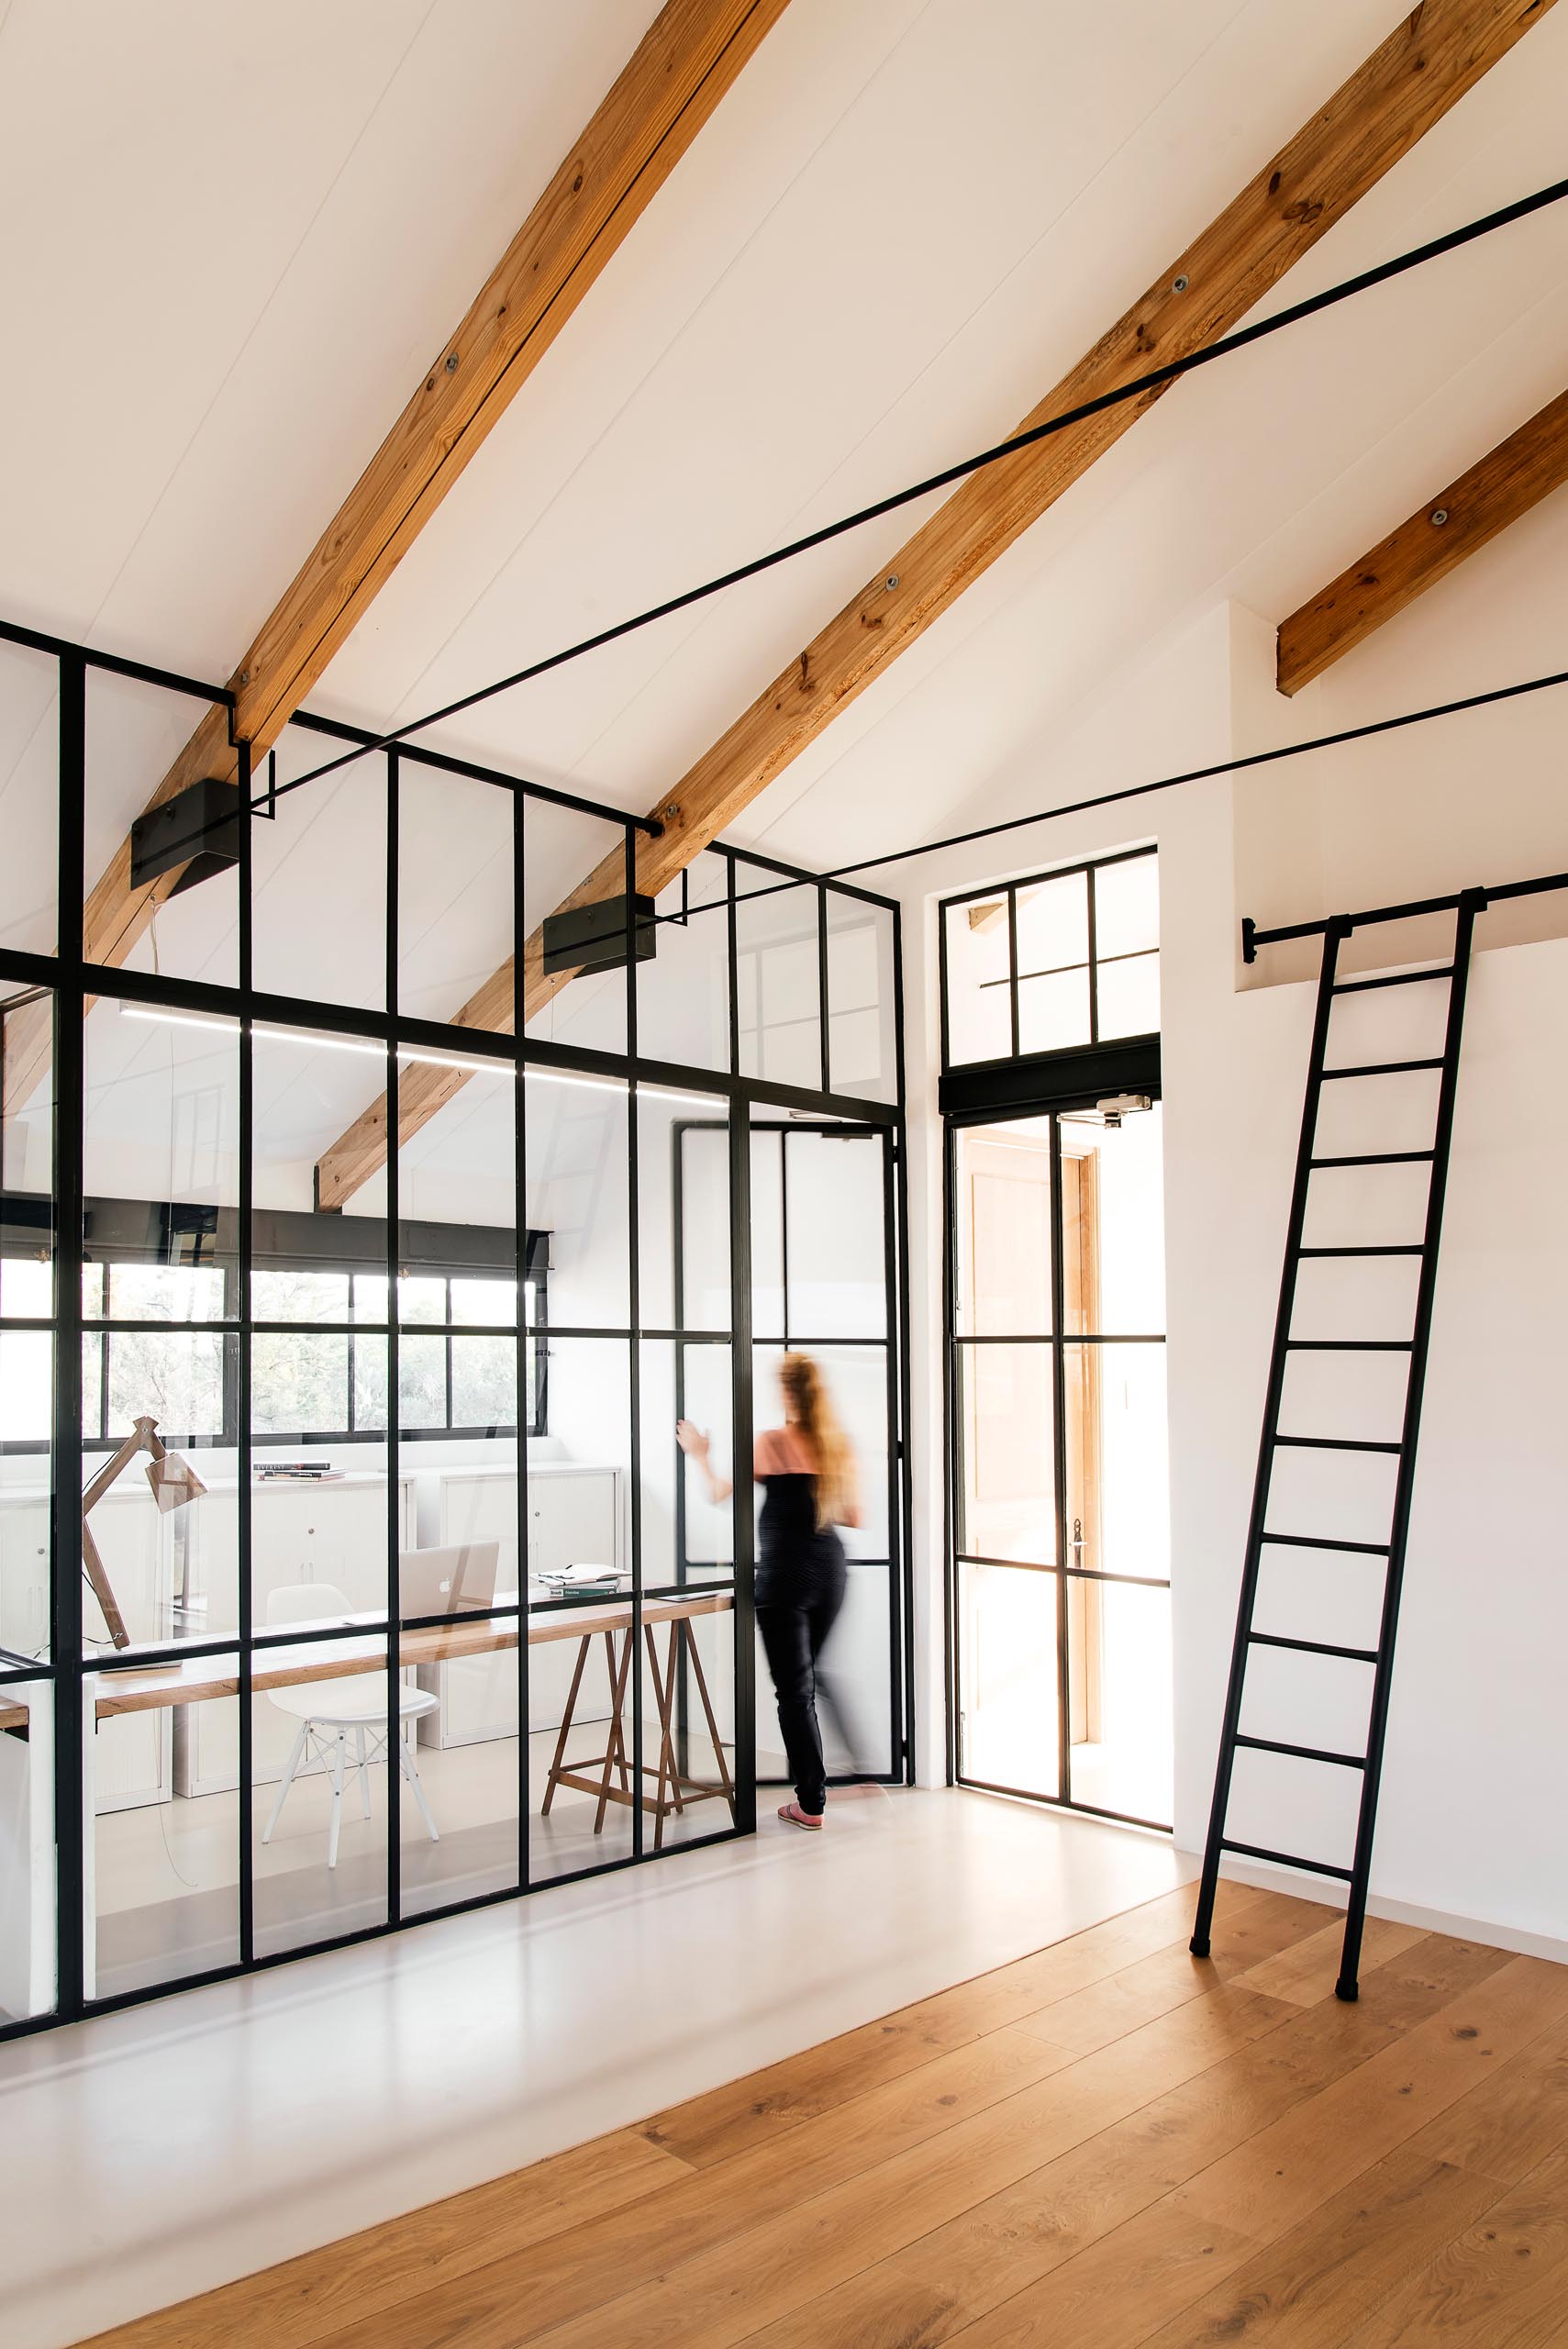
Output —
<point x="297" y="1471"/>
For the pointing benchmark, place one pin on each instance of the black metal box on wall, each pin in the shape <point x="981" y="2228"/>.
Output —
<point x="199" y="828"/>
<point x="593" y="938"/>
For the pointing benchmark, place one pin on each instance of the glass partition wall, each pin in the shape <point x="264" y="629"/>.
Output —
<point x="355" y="1268"/>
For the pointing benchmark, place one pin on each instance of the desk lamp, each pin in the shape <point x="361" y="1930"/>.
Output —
<point x="175" y="1483"/>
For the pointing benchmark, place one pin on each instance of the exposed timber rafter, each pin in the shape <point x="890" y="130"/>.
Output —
<point x="1514" y="476"/>
<point x="687" y="61"/>
<point x="1432" y="57"/>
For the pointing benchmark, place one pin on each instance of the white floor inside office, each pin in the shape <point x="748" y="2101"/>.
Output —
<point x="170" y="2148"/>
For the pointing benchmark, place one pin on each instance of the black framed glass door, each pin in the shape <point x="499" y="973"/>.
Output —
<point x="1059" y="1568"/>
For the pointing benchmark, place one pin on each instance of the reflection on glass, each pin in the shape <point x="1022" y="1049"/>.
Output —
<point x="1008" y="1492"/>
<point x="979" y="998"/>
<point x="1002" y="1228"/>
<point x="1008" y="1716"/>
<point x="1053" y="924"/>
<point x="166" y="1839"/>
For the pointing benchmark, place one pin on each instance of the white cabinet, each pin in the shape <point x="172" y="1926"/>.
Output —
<point x="138" y="1545"/>
<point x="574" y="1518"/>
<point x="299" y="1533"/>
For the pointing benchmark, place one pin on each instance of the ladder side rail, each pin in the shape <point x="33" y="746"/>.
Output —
<point x="1336" y="932"/>
<point x="1472" y="903"/>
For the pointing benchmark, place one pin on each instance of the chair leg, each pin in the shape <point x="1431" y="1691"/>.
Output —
<point x="364" y="1774"/>
<point x="333" y="1830"/>
<point x="411" y="1772"/>
<point x="294" y="1762"/>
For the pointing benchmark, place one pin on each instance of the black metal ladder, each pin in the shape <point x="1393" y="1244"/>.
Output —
<point x="1392" y="1552"/>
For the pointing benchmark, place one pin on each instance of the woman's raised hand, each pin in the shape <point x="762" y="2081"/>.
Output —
<point x="692" y="1439"/>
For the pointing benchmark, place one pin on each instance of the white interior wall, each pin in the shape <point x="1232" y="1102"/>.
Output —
<point x="1477" y="1742"/>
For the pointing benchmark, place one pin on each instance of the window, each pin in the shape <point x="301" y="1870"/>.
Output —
<point x="1064" y="960"/>
<point x="457" y="1353"/>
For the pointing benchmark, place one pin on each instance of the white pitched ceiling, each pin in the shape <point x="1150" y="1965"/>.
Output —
<point x="232" y="254"/>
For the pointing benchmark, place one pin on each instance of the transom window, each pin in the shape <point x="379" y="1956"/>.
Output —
<point x="1042" y="965"/>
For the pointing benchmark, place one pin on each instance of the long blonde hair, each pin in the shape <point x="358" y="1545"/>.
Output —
<point x="806" y="1397"/>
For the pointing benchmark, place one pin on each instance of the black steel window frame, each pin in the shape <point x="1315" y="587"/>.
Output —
<point x="899" y="1769"/>
<point x="107" y="1326"/>
<point x="72" y="980"/>
<point x="1006" y="894"/>
<point x="1058" y="1339"/>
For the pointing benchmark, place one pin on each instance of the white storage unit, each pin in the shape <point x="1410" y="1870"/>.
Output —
<point x="574" y="1518"/>
<point x="133" y="1765"/>
<point x="299" y="1533"/>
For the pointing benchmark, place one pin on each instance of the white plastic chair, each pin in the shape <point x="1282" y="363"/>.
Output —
<point x="328" y="1712"/>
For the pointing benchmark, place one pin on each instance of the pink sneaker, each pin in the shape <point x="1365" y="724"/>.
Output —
<point x="793" y="1816"/>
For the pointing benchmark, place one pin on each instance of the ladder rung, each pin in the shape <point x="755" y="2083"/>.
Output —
<point x="1312" y="1647"/>
<point x="1399" y="979"/>
<point x="1283" y="1859"/>
<point x="1351" y="1345"/>
<point x="1379" y="1158"/>
<point x="1380" y="1068"/>
<point x="1302" y="1752"/>
<point x="1336" y="1444"/>
<point x="1322" y="1541"/>
<point x="1403" y="1248"/>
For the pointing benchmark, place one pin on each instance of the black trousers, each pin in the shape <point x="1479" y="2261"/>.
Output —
<point x="797" y="1605"/>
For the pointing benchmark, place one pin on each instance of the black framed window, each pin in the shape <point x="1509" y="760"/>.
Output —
<point x="1052" y="963"/>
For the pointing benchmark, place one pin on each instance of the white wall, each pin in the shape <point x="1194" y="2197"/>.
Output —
<point x="1478" y="1744"/>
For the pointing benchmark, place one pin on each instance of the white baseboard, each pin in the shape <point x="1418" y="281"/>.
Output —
<point x="1398" y="1912"/>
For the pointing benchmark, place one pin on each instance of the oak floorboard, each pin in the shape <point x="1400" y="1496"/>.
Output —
<point x="1105" y="2143"/>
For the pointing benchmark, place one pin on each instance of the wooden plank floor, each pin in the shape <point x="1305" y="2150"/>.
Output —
<point x="1103" y="2144"/>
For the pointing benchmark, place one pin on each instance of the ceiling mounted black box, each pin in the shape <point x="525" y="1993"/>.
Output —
<point x="199" y="828"/>
<point x="593" y="938"/>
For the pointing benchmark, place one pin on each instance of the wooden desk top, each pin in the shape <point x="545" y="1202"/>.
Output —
<point x="204" y="1677"/>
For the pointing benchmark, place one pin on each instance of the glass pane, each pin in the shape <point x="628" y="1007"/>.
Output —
<point x="299" y="1384"/>
<point x="701" y="1151"/>
<point x="421" y="1300"/>
<point x="422" y="1383"/>
<point x="484" y="1383"/>
<point x="688" y="1694"/>
<point x="767" y="1234"/>
<point x="485" y="1302"/>
<point x="318" y="928"/>
<point x="457" y="1166"/>
<point x="1002" y="1228"/>
<point x="1118" y="1660"/>
<point x="835" y="1234"/>
<point x="1053" y="924"/>
<point x="26" y="1375"/>
<point x="318" y="1535"/>
<point x="161" y="1156"/>
<point x="863" y="1037"/>
<point x="1007" y="1478"/>
<point x="562" y="852"/>
<point x="165" y="1562"/>
<point x="1008" y="1723"/>
<point x="1053" y="1013"/>
<point x="459" y="1816"/>
<point x="979" y="1000"/>
<point x="319" y="1146"/>
<point x="319" y="1790"/>
<point x="582" y="1749"/>
<point x="1114" y="1226"/>
<point x="164" y="1852"/>
<point x="454" y="896"/>
<point x="779" y="979"/>
<point x="683" y="993"/>
<point x="27" y="1808"/>
<point x="1126" y="907"/>
<point x="27" y="1158"/>
<point x="135" y="733"/>
<point x="1118" y="1483"/>
<point x="290" y="1296"/>
<point x="29" y="802"/>
<point x="1129" y="996"/>
<point x="578" y="1194"/>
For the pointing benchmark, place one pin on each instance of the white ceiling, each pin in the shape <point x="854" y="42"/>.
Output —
<point x="231" y="256"/>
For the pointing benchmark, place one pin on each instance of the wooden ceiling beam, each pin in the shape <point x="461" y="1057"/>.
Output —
<point x="687" y="61"/>
<point x="1433" y="56"/>
<point x="1514" y="476"/>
